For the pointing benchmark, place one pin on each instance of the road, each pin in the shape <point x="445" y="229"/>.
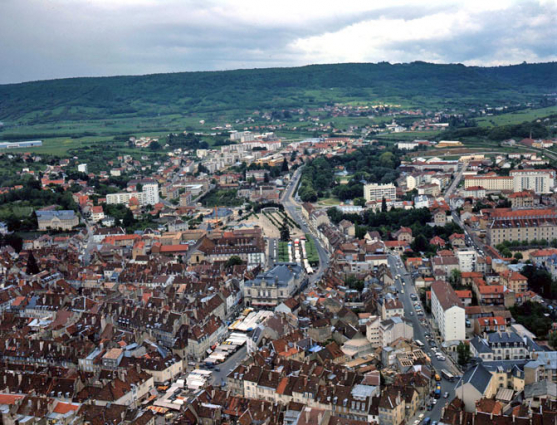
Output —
<point x="293" y="209"/>
<point x="90" y="246"/>
<point x="230" y="364"/>
<point x="420" y="329"/>
<point x="272" y="249"/>
<point x="454" y="184"/>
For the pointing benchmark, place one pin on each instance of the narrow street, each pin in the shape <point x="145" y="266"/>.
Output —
<point x="420" y="329"/>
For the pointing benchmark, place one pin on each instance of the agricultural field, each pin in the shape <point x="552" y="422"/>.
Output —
<point x="516" y="117"/>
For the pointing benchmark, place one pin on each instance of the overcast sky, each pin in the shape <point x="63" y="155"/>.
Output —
<point x="43" y="39"/>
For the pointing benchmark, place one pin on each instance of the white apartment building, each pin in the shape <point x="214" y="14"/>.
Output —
<point x="148" y="196"/>
<point x="467" y="258"/>
<point x="448" y="312"/>
<point x="540" y="181"/>
<point x="491" y="183"/>
<point x="408" y="146"/>
<point x="376" y="192"/>
<point x="82" y="168"/>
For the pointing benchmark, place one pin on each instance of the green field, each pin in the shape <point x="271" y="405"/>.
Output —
<point x="516" y="117"/>
<point x="68" y="113"/>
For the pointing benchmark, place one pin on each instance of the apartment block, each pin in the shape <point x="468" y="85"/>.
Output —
<point x="448" y="311"/>
<point x="539" y="181"/>
<point x="376" y="192"/>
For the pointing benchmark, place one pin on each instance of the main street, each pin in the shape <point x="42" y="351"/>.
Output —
<point x="292" y="207"/>
<point x="420" y="329"/>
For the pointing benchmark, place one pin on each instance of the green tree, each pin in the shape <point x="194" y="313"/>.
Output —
<point x="284" y="167"/>
<point x="284" y="231"/>
<point x="383" y="205"/>
<point x="155" y="146"/>
<point x="360" y="202"/>
<point x="455" y="278"/>
<point x="234" y="261"/>
<point x="518" y="256"/>
<point x="464" y="354"/>
<point x="128" y="219"/>
<point x="553" y="340"/>
<point x="420" y="244"/>
<point x="354" y="283"/>
<point x="32" y="266"/>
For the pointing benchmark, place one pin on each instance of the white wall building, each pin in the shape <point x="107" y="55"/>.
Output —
<point x="394" y="328"/>
<point x="467" y="258"/>
<point x="448" y="312"/>
<point x="148" y="196"/>
<point x="82" y="168"/>
<point x="376" y="192"/>
<point x="540" y="181"/>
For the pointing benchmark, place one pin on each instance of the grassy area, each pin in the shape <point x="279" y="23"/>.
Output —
<point x="311" y="251"/>
<point x="516" y="117"/>
<point x="408" y="136"/>
<point x="222" y="197"/>
<point x="283" y="252"/>
<point x="329" y="202"/>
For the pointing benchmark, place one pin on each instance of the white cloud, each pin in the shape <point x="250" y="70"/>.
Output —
<point x="62" y="38"/>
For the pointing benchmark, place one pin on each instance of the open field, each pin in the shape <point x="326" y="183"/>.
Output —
<point x="516" y="117"/>
<point x="329" y="202"/>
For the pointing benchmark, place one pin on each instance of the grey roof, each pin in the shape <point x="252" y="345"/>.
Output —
<point x="504" y="337"/>
<point x="49" y="215"/>
<point x="541" y="389"/>
<point x="478" y="376"/>
<point x="480" y="345"/>
<point x="532" y="345"/>
<point x="548" y="359"/>
<point x="280" y="275"/>
<point x="508" y="366"/>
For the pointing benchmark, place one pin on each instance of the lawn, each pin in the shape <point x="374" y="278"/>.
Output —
<point x="283" y="252"/>
<point x="311" y="251"/>
<point x="329" y="202"/>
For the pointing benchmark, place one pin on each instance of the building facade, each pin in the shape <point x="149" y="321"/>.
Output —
<point x="376" y="192"/>
<point x="448" y="311"/>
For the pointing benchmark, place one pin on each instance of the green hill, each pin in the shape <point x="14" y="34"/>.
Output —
<point x="416" y="84"/>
